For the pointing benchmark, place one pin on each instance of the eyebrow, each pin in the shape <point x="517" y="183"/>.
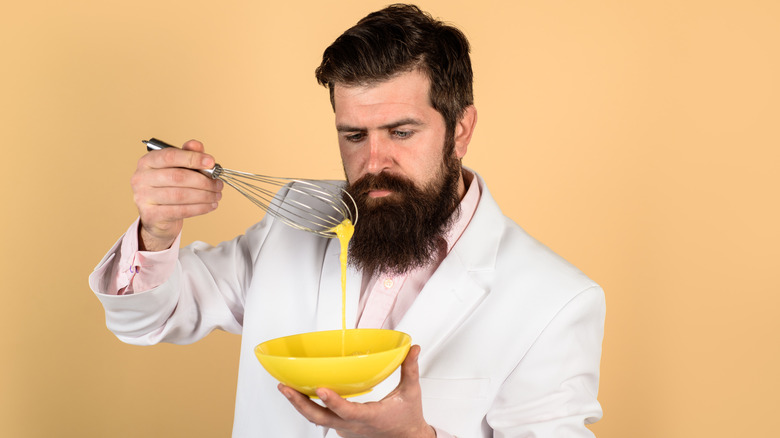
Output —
<point x="402" y="122"/>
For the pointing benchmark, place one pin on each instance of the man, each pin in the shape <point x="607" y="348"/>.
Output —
<point x="508" y="335"/>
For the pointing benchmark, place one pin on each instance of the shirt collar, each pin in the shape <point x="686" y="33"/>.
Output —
<point x="468" y="205"/>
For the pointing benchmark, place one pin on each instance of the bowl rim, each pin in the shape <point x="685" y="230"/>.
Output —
<point x="406" y="341"/>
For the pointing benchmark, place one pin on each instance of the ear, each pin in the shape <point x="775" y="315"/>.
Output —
<point x="464" y="129"/>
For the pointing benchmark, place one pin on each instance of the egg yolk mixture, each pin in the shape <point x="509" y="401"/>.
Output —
<point x="344" y="233"/>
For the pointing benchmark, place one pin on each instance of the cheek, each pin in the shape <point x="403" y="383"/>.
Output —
<point x="425" y="167"/>
<point x="350" y="159"/>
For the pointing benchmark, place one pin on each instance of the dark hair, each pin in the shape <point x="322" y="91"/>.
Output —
<point x="398" y="39"/>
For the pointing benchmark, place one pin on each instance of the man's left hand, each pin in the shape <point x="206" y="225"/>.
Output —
<point x="399" y="415"/>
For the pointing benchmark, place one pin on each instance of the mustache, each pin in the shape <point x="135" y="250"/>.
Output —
<point x="380" y="181"/>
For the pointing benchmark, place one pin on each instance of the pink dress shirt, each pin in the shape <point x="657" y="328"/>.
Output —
<point x="384" y="299"/>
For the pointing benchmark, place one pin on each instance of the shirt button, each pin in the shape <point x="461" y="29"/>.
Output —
<point x="388" y="283"/>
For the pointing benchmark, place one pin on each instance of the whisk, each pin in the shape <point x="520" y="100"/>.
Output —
<point x="314" y="206"/>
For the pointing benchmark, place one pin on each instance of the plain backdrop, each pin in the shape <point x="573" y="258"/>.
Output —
<point x="638" y="139"/>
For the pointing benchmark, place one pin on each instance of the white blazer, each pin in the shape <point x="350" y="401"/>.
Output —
<point x="510" y="332"/>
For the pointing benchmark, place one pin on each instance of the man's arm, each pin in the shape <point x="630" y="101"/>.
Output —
<point x="166" y="191"/>
<point x="552" y="391"/>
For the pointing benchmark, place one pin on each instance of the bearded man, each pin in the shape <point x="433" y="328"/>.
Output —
<point x="508" y="335"/>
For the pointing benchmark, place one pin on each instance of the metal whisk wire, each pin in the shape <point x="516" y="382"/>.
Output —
<point x="314" y="206"/>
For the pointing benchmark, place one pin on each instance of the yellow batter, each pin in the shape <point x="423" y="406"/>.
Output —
<point x="344" y="233"/>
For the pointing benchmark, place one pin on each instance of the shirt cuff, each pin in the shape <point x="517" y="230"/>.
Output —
<point x="138" y="271"/>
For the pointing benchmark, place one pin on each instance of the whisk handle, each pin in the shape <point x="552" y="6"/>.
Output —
<point x="154" y="144"/>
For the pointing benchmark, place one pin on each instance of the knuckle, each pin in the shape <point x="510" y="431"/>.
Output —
<point x="169" y="156"/>
<point x="140" y="197"/>
<point x="138" y="179"/>
<point x="143" y="162"/>
<point x="178" y="176"/>
<point x="194" y="161"/>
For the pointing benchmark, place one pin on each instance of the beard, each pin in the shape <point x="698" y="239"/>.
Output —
<point x="405" y="230"/>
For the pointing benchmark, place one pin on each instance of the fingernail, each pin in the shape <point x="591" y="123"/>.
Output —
<point x="322" y="395"/>
<point x="206" y="162"/>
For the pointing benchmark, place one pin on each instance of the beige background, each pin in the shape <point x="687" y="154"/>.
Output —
<point x="639" y="139"/>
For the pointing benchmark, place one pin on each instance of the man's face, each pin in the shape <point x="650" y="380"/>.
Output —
<point x="393" y="145"/>
<point x="391" y="128"/>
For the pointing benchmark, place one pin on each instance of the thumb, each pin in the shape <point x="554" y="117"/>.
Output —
<point x="193" y="145"/>
<point x="410" y="369"/>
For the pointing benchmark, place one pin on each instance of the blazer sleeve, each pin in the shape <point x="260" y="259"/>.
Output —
<point x="205" y="292"/>
<point x="552" y="391"/>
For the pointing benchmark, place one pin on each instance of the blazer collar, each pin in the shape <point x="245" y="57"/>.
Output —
<point x="479" y="243"/>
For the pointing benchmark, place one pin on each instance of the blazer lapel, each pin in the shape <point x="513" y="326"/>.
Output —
<point x="458" y="285"/>
<point x="445" y="302"/>
<point x="448" y="298"/>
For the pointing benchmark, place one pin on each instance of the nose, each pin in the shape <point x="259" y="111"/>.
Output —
<point x="379" y="154"/>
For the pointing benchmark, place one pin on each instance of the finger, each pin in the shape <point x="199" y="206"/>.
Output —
<point x="180" y="199"/>
<point x="175" y="157"/>
<point x="193" y="145"/>
<point x="313" y="412"/>
<point x="206" y="160"/>
<point x="167" y="204"/>
<point x="344" y="409"/>
<point x="158" y="188"/>
<point x="175" y="196"/>
<point x="174" y="177"/>
<point x="159" y="216"/>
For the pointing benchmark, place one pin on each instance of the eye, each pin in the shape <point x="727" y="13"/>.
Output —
<point x="402" y="134"/>
<point x="356" y="137"/>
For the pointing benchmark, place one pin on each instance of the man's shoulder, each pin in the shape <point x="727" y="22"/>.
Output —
<point x="520" y="262"/>
<point x="520" y="252"/>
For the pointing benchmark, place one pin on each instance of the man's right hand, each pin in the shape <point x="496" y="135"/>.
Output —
<point x="166" y="191"/>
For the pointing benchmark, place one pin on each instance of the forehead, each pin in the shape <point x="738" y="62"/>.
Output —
<point x="407" y="93"/>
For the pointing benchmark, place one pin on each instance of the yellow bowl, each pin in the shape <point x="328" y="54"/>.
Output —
<point x="349" y="362"/>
